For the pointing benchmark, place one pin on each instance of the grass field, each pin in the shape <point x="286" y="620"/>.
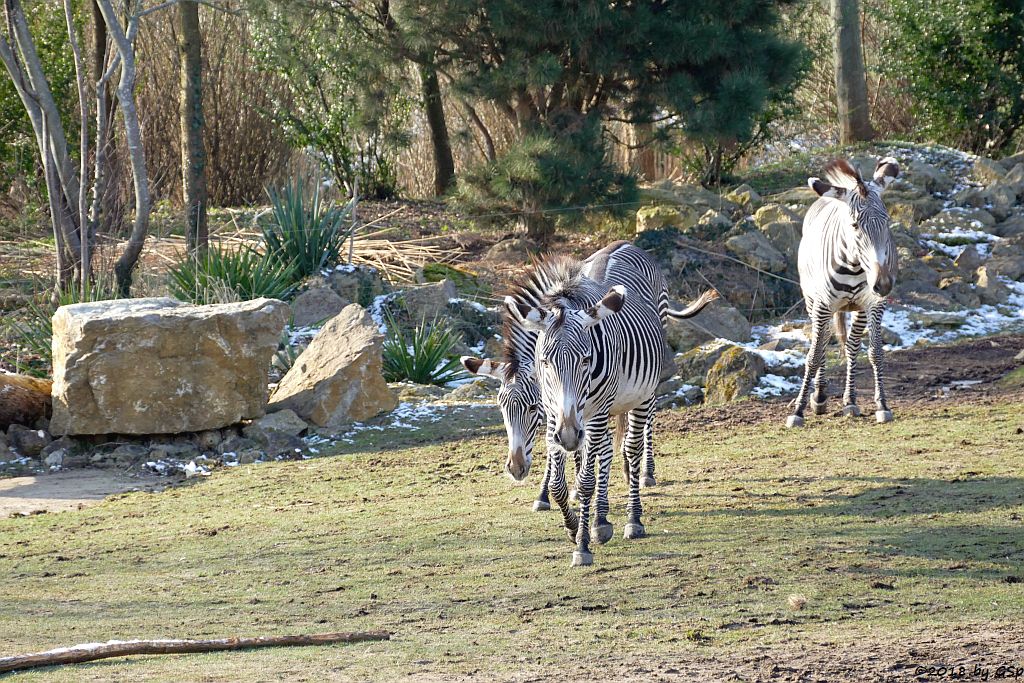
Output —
<point x="908" y="533"/>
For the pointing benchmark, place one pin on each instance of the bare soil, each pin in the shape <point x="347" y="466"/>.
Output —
<point x="69" y="490"/>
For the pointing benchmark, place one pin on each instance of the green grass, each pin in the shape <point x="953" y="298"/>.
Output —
<point x="420" y="534"/>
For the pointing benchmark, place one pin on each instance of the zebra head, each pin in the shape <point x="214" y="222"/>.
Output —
<point x="867" y="231"/>
<point x="519" y="400"/>
<point x="565" y="350"/>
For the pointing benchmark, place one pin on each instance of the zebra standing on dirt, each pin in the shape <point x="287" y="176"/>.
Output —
<point x="847" y="263"/>
<point x="598" y="354"/>
<point x="519" y="396"/>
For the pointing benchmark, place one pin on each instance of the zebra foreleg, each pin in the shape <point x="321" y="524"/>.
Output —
<point x="876" y="358"/>
<point x="557" y="487"/>
<point x="543" y="502"/>
<point x="648" y="480"/>
<point x="595" y="448"/>
<point x="853" y="342"/>
<point x="819" y="399"/>
<point x="602" y="529"/>
<point x="634" y="448"/>
<point x="815" y="358"/>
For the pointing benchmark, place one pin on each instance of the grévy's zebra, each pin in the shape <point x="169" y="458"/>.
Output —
<point x="599" y="353"/>
<point x="847" y="263"/>
<point x="519" y="396"/>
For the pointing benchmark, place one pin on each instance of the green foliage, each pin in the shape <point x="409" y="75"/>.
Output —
<point x="221" y="276"/>
<point x="552" y="168"/>
<point x="305" y="235"/>
<point x="428" y="359"/>
<point x="345" y="98"/>
<point x="963" y="63"/>
<point x="19" y="155"/>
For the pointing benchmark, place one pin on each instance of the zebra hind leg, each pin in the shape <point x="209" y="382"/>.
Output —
<point x="648" y="480"/>
<point x="850" y="408"/>
<point x="815" y="359"/>
<point x="633" y="447"/>
<point x="819" y="399"/>
<point x="601" y="528"/>
<point x="876" y="358"/>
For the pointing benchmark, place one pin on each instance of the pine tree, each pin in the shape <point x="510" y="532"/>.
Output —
<point x="560" y="70"/>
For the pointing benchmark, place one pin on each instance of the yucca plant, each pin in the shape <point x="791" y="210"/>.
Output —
<point x="427" y="359"/>
<point x="221" y="276"/>
<point x="308" y="236"/>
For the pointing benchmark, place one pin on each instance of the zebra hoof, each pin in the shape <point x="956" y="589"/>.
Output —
<point x="541" y="505"/>
<point x="819" y="408"/>
<point x="883" y="416"/>
<point x="633" y="531"/>
<point x="648" y="482"/>
<point x="851" y="411"/>
<point x="603" y="532"/>
<point x="794" y="421"/>
<point x="582" y="559"/>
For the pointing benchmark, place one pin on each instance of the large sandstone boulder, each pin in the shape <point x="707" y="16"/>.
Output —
<point x="680" y="217"/>
<point x="785" y="237"/>
<point x="159" y="366"/>
<point x="428" y="302"/>
<point x="928" y="177"/>
<point x="754" y="249"/>
<point x="316" y="305"/>
<point x="774" y="213"/>
<point x="337" y="380"/>
<point x="734" y="375"/>
<point x="718" y="321"/>
<point x="359" y="284"/>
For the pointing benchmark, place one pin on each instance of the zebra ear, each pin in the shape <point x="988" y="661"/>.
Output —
<point x="823" y="189"/>
<point x="611" y="303"/>
<point x="530" y="317"/>
<point x="887" y="170"/>
<point x="484" y="366"/>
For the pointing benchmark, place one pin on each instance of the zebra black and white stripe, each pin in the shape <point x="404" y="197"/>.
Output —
<point x="847" y="263"/>
<point x="598" y="354"/>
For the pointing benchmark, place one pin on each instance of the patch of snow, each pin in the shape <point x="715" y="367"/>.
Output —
<point x="776" y="385"/>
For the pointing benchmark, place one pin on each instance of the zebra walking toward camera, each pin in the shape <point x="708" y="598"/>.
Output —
<point x="519" y="396"/>
<point x="847" y="263"/>
<point x="598" y="354"/>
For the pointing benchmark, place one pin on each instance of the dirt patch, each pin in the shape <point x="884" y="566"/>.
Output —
<point x="930" y="375"/>
<point x="70" y="490"/>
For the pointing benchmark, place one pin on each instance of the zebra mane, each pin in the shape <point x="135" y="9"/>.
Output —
<point x="550" y="279"/>
<point x="841" y="173"/>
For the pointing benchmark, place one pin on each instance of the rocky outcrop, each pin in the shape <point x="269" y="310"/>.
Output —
<point x="680" y="217"/>
<point x="754" y="249"/>
<point x="158" y="366"/>
<point x="337" y="380"/>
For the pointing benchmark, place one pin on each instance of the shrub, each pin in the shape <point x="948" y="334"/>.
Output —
<point x="428" y="359"/>
<point x="964" y="67"/>
<point x="222" y="276"/>
<point x="306" y="237"/>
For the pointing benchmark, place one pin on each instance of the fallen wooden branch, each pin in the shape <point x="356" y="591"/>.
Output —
<point x="89" y="652"/>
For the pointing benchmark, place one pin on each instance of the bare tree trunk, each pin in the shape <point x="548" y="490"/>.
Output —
<point x="444" y="164"/>
<point x="643" y="134"/>
<point x="125" y="265"/>
<point x="84" y="236"/>
<point x="851" y="84"/>
<point x="193" y="154"/>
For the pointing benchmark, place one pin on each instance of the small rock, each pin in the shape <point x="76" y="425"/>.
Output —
<point x="316" y="306"/>
<point x="775" y="213"/>
<point x="472" y="391"/>
<point x="359" y="284"/>
<point x="208" y="440"/>
<point x="408" y="392"/>
<point x="745" y="196"/>
<point x="281" y="444"/>
<point x="989" y="289"/>
<point x="249" y="456"/>
<point x="937" y="319"/>
<point x="55" y="459"/>
<point x="127" y="454"/>
<point x="783" y="344"/>
<point x="28" y="442"/>
<point x="515" y="250"/>
<point x="968" y="260"/>
<point x="961" y="292"/>
<point x="755" y="250"/>
<point x="718" y="321"/>
<point x="928" y="177"/>
<point x="281" y="421"/>
<point x="429" y="302"/>
<point x="734" y="375"/>
<point x="693" y="365"/>
<point x="680" y="217"/>
<point x="236" y="444"/>
<point x="987" y="171"/>
<point x="63" y="443"/>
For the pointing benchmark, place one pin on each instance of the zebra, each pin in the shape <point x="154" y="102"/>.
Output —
<point x="847" y="263"/>
<point x="598" y="354"/>
<point x="519" y="395"/>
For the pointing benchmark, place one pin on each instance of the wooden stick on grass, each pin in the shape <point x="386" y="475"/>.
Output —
<point x="122" y="648"/>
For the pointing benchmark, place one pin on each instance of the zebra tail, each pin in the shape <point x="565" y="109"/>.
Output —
<point x="696" y="307"/>
<point x="839" y="322"/>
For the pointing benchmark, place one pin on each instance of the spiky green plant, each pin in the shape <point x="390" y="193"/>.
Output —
<point x="427" y="359"/>
<point x="221" y="276"/>
<point x="307" y="236"/>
